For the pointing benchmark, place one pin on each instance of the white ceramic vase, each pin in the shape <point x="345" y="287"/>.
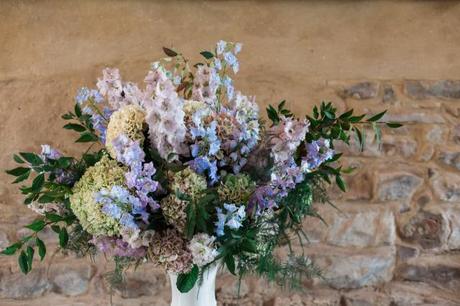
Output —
<point x="202" y="294"/>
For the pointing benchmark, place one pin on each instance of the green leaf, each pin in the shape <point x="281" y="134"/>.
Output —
<point x="346" y="114"/>
<point x="77" y="110"/>
<point x="169" y="52"/>
<point x="329" y="115"/>
<point x="17" y="159"/>
<point x="360" y="137"/>
<point x="67" y="116"/>
<point x="340" y="183"/>
<point x="207" y="54"/>
<point x="64" y="162"/>
<point x="56" y="229"/>
<point x="22" y="261"/>
<point x="10" y="250"/>
<point x="376" y="117"/>
<point x="185" y="282"/>
<point x="36" y="226"/>
<point x="32" y="158"/>
<point x="394" y="125"/>
<point x="41" y="248"/>
<point x="87" y="137"/>
<point x="18" y="171"/>
<point x="281" y="105"/>
<point x="75" y="127"/>
<point x="22" y="178"/>
<point x="356" y="119"/>
<point x="46" y="199"/>
<point x="315" y="112"/>
<point x="230" y="262"/>
<point x="30" y="257"/>
<point x="29" y="199"/>
<point x="191" y="220"/>
<point x="249" y="245"/>
<point x="53" y="217"/>
<point x="63" y="237"/>
<point x="38" y="182"/>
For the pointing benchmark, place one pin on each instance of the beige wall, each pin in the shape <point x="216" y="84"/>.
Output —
<point x="396" y="236"/>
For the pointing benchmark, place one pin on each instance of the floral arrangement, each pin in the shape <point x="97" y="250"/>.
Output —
<point x="186" y="174"/>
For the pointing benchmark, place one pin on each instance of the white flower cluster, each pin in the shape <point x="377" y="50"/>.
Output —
<point x="202" y="248"/>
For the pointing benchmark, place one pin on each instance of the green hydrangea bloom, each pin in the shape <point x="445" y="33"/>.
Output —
<point x="188" y="182"/>
<point x="184" y="183"/>
<point x="104" y="174"/>
<point x="174" y="211"/>
<point x="236" y="188"/>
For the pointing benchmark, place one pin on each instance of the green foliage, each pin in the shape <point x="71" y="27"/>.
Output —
<point x="274" y="114"/>
<point x="199" y="212"/>
<point x="186" y="281"/>
<point x="84" y="126"/>
<point x="207" y="54"/>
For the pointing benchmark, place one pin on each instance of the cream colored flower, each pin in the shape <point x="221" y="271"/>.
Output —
<point x="128" y="120"/>
<point x="104" y="174"/>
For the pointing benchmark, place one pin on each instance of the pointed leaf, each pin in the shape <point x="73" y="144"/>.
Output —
<point x="207" y="54"/>
<point x="63" y="237"/>
<point x="22" y="261"/>
<point x="17" y="159"/>
<point x="376" y="117"/>
<point x="18" y="171"/>
<point x="10" y="250"/>
<point x="87" y="137"/>
<point x="169" y="52"/>
<point x="340" y="183"/>
<point x="75" y="127"/>
<point x="41" y="248"/>
<point x="32" y="158"/>
<point x="36" y="226"/>
<point x="38" y="182"/>
<point x="185" y="282"/>
<point x="30" y="257"/>
<point x="394" y="125"/>
<point x="230" y="262"/>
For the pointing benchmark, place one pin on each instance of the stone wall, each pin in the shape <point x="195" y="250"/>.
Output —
<point x="395" y="237"/>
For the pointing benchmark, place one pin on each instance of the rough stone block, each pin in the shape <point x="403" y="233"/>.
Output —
<point x="343" y="269"/>
<point x="362" y="229"/>
<point x="360" y="91"/>
<point x="446" y="186"/>
<point x="397" y="186"/>
<point x="20" y="286"/>
<point x="71" y="280"/>
<point x="427" y="229"/>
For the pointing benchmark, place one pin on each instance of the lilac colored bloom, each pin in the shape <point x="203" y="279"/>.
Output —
<point x="217" y="64"/>
<point x="220" y="48"/>
<point x="112" y="210"/>
<point x="238" y="47"/>
<point x="232" y="218"/>
<point x="318" y="152"/>
<point x="82" y="96"/>
<point x="202" y="164"/>
<point x="141" y="180"/>
<point x="228" y="83"/>
<point x="263" y="198"/>
<point x="87" y="110"/>
<point x="117" y="247"/>
<point x="50" y="153"/>
<point x="128" y="151"/>
<point x="121" y="205"/>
